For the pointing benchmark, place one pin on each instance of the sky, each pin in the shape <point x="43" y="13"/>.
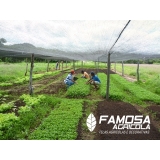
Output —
<point x="84" y="35"/>
<point x="69" y="35"/>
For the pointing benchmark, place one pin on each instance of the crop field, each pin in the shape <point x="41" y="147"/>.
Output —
<point x="55" y="112"/>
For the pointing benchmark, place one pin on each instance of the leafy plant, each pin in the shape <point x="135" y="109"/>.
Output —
<point x="6" y="106"/>
<point x="115" y="93"/>
<point x="61" y="123"/>
<point x="78" y="90"/>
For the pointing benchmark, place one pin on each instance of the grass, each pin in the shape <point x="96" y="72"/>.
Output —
<point x="18" y="70"/>
<point x="146" y="71"/>
<point x="90" y="64"/>
<point x="149" y="75"/>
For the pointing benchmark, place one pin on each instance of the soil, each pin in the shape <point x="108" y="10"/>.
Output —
<point x="155" y="109"/>
<point x="120" y="108"/>
<point x="94" y="70"/>
<point x="52" y="89"/>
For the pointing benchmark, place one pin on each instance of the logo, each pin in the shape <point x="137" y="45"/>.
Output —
<point x="91" y="122"/>
<point x="127" y="121"/>
<point x="126" y="124"/>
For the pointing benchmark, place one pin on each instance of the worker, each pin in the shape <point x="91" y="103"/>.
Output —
<point x="85" y="74"/>
<point x="70" y="79"/>
<point x="94" y="80"/>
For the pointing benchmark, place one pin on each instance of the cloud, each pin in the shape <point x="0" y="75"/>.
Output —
<point x="81" y="36"/>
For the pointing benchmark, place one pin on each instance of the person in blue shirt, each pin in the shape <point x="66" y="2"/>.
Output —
<point x="94" y="80"/>
<point x="70" y="79"/>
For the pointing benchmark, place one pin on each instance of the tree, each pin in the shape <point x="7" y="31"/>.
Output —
<point x="2" y="40"/>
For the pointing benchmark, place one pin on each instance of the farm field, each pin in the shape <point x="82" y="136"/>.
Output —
<point x="55" y="112"/>
<point x="149" y="74"/>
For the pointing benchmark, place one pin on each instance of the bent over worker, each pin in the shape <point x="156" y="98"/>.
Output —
<point x="94" y="80"/>
<point x="70" y="79"/>
<point x="85" y="74"/>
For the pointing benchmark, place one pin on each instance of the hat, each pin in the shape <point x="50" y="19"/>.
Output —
<point x="72" y="71"/>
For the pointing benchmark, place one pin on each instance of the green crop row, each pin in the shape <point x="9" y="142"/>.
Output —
<point x="61" y="123"/>
<point x="32" y="101"/>
<point x="114" y="92"/>
<point x="7" y="122"/>
<point x="29" y="116"/>
<point x="6" y="106"/>
<point x="79" y="89"/>
<point x="26" y="79"/>
<point x="136" y="90"/>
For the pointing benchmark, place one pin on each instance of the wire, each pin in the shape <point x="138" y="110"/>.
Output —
<point x="119" y="35"/>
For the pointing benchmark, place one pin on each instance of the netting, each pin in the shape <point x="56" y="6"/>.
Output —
<point x="81" y="40"/>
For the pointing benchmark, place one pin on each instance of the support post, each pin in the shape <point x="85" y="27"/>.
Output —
<point x="115" y="67"/>
<point x="62" y="65"/>
<point x="26" y="68"/>
<point x="31" y="70"/>
<point x="74" y="65"/>
<point x="82" y="64"/>
<point x="98" y="65"/>
<point x="138" y="70"/>
<point x="59" y="64"/>
<point x="48" y="66"/>
<point x="108" y="76"/>
<point x="66" y="64"/>
<point x="122" y="69"/>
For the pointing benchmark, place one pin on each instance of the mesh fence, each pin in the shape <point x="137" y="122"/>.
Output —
<point x="81" y="40"/>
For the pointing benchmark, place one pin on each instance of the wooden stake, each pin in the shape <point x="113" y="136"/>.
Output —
<point x="26" y="67"/>
<point x="74" y="65"/>
<point x="138" y="70"/>
<point x="108" y="77"/>
<point x="62" y="65"/>
<point x="82" y="64"/>
<point x="48" y="66"/>
<point x="122" y="69"/>
<point x="115" y="67"/>
<point x="59" y="64"/>
<point x="31" y="70"/>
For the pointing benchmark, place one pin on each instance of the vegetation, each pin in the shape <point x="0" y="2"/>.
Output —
<point x="149" y="75"/>
<point x="6" y="106"/>
<point x="80" y="89"/>
<point x="61" y="123"/>
<point x="58" y="116"/>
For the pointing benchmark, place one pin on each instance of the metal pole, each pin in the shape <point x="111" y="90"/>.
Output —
<point x="26" y="67"/>
<point x="122" y="69"/>
<point x="108" y="76"/>
<point x="62" y="65"/>
<point x="82" y="64"/>
<point x="31" y="70"/>
<point x="115" y="67"/>
<point x="59" y="63"/>
<point x="74" y="65"/>
<point x="98" y="65"/>
<point x="48" y="66"/>
<point x="138" y="70"/>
